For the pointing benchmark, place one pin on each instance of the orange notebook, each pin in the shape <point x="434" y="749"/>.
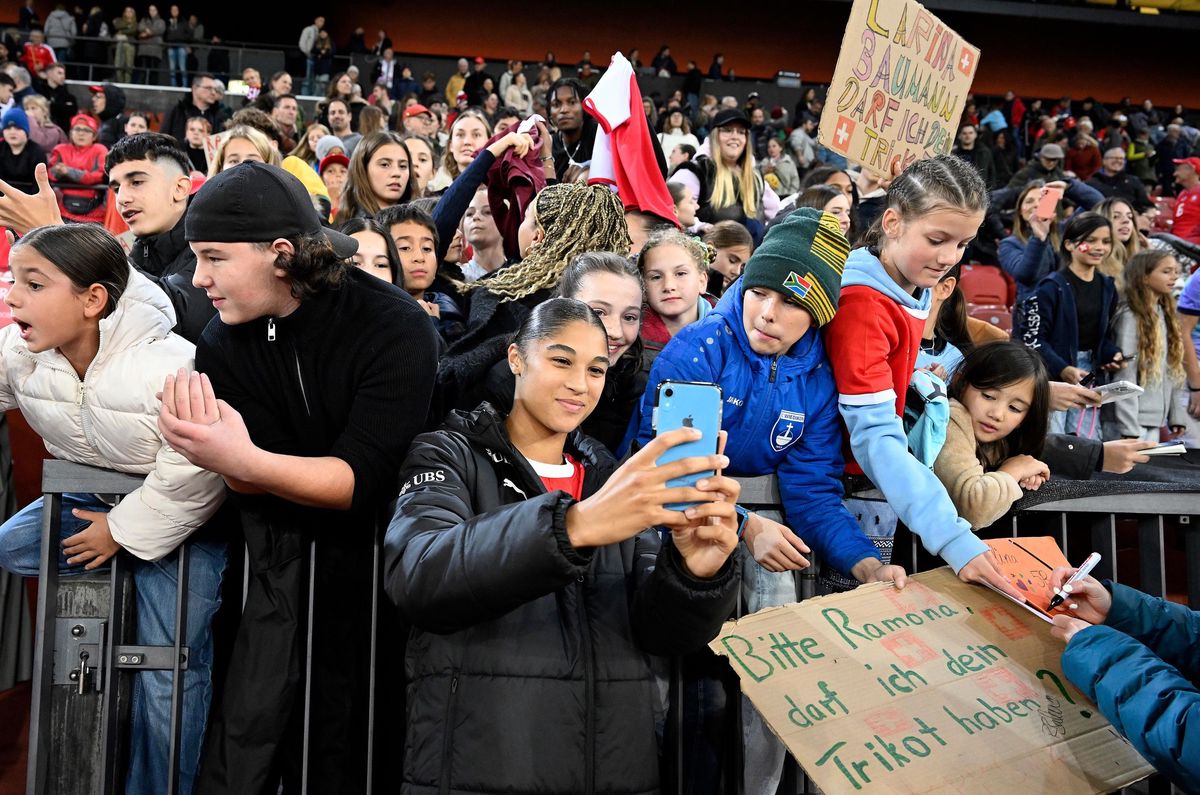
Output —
<point x="1028" y="563"/>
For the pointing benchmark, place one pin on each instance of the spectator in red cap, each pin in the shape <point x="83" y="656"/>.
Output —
<point x="419" y="120"/>
<point x="1187" y="205"/>
<point x="334" y="169"/>
<point x="80" y="162"/>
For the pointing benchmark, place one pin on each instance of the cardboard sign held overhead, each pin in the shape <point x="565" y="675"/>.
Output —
<point x="942" y="687"/>
<point x="899" y="88"/>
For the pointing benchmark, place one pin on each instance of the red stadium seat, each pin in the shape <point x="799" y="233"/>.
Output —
<point x="984" y="285"/>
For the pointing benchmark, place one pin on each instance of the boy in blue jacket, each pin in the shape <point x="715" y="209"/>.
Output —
<point x="762" y="344"/>
<point x="1138" y="658"/>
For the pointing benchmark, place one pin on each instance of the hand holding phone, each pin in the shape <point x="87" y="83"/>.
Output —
<point x="636" y="496"/>
<point x="686" y="404"/>
<point x="1047" y="206"/>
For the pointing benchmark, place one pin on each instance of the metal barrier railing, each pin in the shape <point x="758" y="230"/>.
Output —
<point x="65" y="646"/>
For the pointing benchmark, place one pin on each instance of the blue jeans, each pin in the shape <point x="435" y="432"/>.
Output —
<point x="177" y="60"/>
<point x="763" y="752"/>
<point x="154" y="585"/>
<point x="1078" y="422"/>
<point x="310" y="69"/>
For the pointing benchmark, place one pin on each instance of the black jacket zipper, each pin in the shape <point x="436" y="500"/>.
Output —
<point x="589" y="683"/>
<point x="271" y="335"/>
<point x="447" y="735"/>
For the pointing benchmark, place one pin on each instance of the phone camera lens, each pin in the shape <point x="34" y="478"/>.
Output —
<point x="670" y="392"/>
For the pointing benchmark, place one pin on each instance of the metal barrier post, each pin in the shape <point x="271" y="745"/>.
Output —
<point x="1104" y="541"/>
<point x="111" y="654"/>
<point x="111" y="726"/>
<point x="376" y="574"/>
<point x="1152" y="562"/>
<point x="177" y="658"/>
<point x="308" y="659"/>
<point x="43" y="657"/>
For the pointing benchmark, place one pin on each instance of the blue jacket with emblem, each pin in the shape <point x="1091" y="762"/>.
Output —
<point x="781" y="414"/>
<point x="1142" y="668"/>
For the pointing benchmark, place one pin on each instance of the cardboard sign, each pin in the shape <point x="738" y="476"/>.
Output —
<point x="899" y="88"/>
<point x="941" y="687"/>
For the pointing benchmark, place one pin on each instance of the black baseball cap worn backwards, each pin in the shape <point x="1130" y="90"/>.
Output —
<point x="257" y="203"/>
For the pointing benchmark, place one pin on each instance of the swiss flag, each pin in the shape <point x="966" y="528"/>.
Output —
<point x="843" y="134"/>
<point x="966" y="61"/>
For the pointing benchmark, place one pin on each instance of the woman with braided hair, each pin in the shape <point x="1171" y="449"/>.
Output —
<point x="562" y="222"/>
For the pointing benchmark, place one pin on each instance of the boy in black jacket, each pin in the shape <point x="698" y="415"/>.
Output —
<point x="324" y="376"/>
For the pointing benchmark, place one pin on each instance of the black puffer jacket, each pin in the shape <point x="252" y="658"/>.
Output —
<point x="528" y="664"/>
<point x="463" y="368"/>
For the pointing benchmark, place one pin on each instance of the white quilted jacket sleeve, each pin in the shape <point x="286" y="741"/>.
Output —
<point x="176" y="499"/>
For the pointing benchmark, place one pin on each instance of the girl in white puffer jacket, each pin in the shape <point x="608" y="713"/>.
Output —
<point x="89" y="347"/>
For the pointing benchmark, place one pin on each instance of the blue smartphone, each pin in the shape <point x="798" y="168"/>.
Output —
<point x="688" y="404"/>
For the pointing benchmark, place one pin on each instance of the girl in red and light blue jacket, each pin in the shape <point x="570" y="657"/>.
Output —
<point x="934" y="209"/>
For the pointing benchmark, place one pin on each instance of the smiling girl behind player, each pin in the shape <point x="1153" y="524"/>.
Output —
<point x="1068" y="317"/>
<point x="934" y="209"/>
<point x="999" y="402"/>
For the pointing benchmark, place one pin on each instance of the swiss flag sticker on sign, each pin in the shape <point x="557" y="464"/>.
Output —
<point x="843" y="134"/>
<point x="966" y="61"/>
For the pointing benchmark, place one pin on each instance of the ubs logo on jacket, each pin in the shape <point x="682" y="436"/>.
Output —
<point x="421" y="478"/>
<point x="788" y="428"/>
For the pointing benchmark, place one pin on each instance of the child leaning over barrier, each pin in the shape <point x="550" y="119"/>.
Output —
<point x="999" y="403"/>
<point x="89" y="347"/>
<point x="934" y="208"/>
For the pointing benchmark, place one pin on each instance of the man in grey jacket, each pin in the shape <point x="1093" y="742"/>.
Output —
<point x="60" y="32"/>
<point x="308" y="40"/>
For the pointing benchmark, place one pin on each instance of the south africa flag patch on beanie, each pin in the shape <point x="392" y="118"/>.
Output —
<point x="798" y="286"/>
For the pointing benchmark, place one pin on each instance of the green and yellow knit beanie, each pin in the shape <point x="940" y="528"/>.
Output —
<point x="802" y="257"/>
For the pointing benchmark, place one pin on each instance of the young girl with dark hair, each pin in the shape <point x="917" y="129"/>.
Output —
<point x="732" y="246"/>
<point x="520" y="554"/>
<point x="1147" y="324"/>
<point x="415" y="237"/>
<point x="1068" y="319"/>
<point x="86" y="324"/>
<point x="946" y="339"/>
<point x="999" y="400"/>
<point x="376" y="253"/>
